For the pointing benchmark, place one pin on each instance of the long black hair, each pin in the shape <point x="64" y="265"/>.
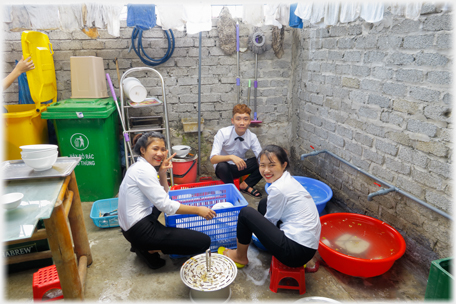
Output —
<point x="144" y="140"/>
<point x="279" y="152"/>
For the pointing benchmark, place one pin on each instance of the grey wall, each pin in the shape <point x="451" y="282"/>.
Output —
<point x="379" y="96"/>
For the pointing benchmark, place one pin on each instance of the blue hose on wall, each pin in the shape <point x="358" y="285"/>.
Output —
<point x="137" y="33"/>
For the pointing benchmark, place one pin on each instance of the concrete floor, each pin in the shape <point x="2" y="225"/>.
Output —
<point x="119" y="275"/>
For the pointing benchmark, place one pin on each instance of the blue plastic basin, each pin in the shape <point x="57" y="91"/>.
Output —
<point x="320" y="192"/>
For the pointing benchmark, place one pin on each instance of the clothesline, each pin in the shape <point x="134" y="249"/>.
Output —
<point x="197" y="17"/>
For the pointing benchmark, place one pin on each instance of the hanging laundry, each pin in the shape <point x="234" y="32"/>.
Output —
<point x="95" y="16"/>
<point x="332" y="13"/>
<point x="7" y="13"/>
<point x="20" y="19"/>
<point x="372" y="12"/>
<point x="413" y="10"/>
<point x="253" y="14"/>
<point x="283" y="14"/>
<point x="277" y="41"/>
<point x="111" y="15"/>
<point x="169" y="16"/>
<point x="295" y="21"/>
<point x="44" y="17"/>
<point x="198" y="17"/>
<point x="270" y="11"/>
<point x="349" y="12"/>
<point x="70" y="16"/>
<point x="141" y="16"/>
<point x="318" y="12"/>
<point x="304" y="10"/>
<point x="226" y="28"/>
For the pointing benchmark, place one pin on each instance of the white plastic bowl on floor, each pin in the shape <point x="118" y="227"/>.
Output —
<point x="11" y="201"/>
<point x="42" y="163"/>
<point x="40" y="147"/>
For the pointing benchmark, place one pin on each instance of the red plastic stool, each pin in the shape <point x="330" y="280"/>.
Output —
<point x="44" y="280"/>
<point x="279" y="271"/>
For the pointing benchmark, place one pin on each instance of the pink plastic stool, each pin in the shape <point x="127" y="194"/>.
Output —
<point x="279" y="271"/>
<point x="44" y="280"/>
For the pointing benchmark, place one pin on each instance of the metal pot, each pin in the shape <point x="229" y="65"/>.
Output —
<point x="209" y="276"/>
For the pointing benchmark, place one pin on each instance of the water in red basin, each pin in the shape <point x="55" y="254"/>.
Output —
<point x="359" y="245"/>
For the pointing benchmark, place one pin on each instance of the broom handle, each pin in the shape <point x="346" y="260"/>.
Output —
<point x="255" y="85"/>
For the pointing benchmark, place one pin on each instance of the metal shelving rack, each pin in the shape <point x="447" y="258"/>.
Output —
<point x="140" y="124"/>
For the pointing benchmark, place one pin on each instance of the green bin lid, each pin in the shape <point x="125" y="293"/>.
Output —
<point x="80" y="108"/>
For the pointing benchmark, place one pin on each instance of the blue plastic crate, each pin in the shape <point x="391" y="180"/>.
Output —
<point x="222" y="228"/>
<point x="103" y="206"/>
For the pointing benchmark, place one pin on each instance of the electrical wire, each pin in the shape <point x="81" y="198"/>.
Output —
<point x="137" y="34"/>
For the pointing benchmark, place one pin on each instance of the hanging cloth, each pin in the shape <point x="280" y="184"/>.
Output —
<point x="95" y="16"/>
<point x="141" y="16"/>
<point x="349" y="12"/>
<point x="170" y="16"/>
<point x="7" y="14"/>
<point x="372" y="12"/>
<point x="253" y="14"/>
<point x="44" y="17"/>
<point x="295" y="21"/>
<point x="318" y="12"/>
<point x="198" y="17"/>
<point x="70" y="17"/>
<point x="270" y="11"/>
<point x="283" y="14"/>
<point x="332" y="13"/>
<point x="304" y="10"/>
<point x="111" y="15"/>
<point x="20" y="19"/>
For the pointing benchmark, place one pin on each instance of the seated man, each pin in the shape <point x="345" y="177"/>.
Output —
<point x="228" y="152"/>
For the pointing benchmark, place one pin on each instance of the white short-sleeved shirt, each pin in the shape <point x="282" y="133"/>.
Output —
<point x="225" y="143"/>
<point x="139" y="192"/>
<point x="290" y="202"/>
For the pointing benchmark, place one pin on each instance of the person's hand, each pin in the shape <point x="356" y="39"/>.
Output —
<point x="25" y="65"/>
<point x="239" y="162"/>
<point x="207" y="213"/>
<point x="166" y="164"/>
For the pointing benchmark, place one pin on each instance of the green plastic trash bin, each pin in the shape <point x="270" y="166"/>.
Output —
<point x="440" y="280"/>
<point x="89" y="128"/>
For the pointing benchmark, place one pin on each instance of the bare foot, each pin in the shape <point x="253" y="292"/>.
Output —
<point x="232" y="254"/>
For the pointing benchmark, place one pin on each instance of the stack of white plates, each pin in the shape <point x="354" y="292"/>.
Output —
<point x="39" y="157"/>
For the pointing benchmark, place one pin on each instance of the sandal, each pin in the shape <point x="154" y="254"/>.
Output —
<point x="222" y="249"/>
<point x="253" y="192"/>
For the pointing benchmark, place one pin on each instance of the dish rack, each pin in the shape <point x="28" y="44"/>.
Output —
<point x="222" y="228"/>
<point x="101" y="207"/>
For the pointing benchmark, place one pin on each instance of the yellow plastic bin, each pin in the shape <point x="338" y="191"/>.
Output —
<point x="23" y="126"/>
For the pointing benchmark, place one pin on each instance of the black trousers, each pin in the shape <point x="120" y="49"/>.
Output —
<point x="228" y="172"/>
<point x="287" y="251"/>
<point x="150" y="234"/>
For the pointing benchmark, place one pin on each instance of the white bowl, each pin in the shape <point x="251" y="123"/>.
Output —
<point x="12" y="200"/>
<point x="181" y="150"/>
<point x="42" y="163"/>
<point x="42" y="147"/>
<point x="37" y="154"/>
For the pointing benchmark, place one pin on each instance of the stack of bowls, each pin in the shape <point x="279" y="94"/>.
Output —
<point x="39" y="157"/>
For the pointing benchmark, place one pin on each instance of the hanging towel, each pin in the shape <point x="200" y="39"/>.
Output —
<point x="253" y="14"/>
<point x="295" y="21"/>
<point x="20" y="19"/>
<point x="70" y="16"/>
<point x="304" y="10"/>
<point x="7" y="14"/>
<point x="95" y="16"/>
<point x="141" y="16"/>
<point x="318" y="12"/>
<point x="372" y="12"/>
<point x="170" y="16"/>
<point x="413" y="10"/>
<point x="198" y="17"/>
<point x="111" y="16"/>
<point x="44" y="17"/>
<point x="349" y="12"/>
<point x="332" y="13"/>
<point x="270" y="11"/>
<point x="283" y="14"/>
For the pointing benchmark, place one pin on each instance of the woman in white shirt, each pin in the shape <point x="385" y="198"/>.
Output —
<point x="287" y="222"/>
<point x="143" y="196"/>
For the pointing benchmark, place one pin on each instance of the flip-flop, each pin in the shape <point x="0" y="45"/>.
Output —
<point x="252" y="193"/>
<point x="222" y="249"/>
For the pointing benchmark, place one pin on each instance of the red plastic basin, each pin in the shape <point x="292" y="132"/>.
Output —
<point x="344" y="235"/>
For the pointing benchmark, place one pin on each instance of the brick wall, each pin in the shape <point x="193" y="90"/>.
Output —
<point x="379" y="96"/>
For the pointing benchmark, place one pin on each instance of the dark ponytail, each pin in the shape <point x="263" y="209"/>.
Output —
<point x="279" y="152"/>
<point x="144" y="140"/>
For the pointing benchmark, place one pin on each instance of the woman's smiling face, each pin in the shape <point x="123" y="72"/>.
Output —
<point x="155" y="152"/>
<point x="271" y="168"/>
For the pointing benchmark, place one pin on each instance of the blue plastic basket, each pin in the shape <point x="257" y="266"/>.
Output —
<point x="221" y="229"/>
<point x="103" y="206"/>
<point x="320" y="192"/>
